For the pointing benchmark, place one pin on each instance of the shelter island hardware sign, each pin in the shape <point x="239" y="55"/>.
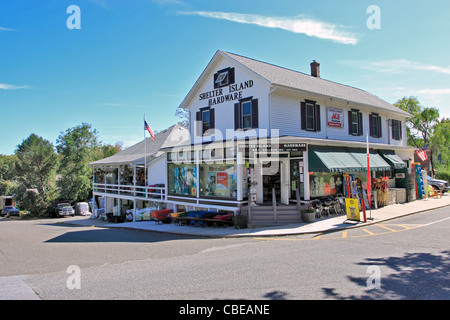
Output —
<point x="267" y="147"/>
<point x="231" y="93"/>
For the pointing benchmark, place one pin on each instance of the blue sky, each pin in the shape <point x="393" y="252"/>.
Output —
<point x="138" y="57"/>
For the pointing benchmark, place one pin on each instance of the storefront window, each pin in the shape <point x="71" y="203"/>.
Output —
<point x="325" y="184"/>
<point x="182" y="179"/>
<point x="218" y="180"/>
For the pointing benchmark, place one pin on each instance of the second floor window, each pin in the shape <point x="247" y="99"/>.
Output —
<point x="355" y="123"/>
<point x="310" y="116"/>
<point x="375" y="125"/>
<point x="246" y="114"/>
<point x="396" y="129"/>
<point x="205" y="120"/>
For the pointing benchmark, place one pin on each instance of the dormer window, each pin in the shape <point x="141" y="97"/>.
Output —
<point x="223" y="78"/>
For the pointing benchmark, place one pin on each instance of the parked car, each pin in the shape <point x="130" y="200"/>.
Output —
<point x="10" y="211"/>
<point x="65" y="209"/>
<point x="438" y="184"/>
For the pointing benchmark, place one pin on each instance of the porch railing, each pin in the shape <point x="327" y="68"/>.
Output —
<point x="151" y="193"/>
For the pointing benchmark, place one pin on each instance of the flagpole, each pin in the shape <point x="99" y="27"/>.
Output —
<point x="145" y="160"/>
<point x="369" y="177"/>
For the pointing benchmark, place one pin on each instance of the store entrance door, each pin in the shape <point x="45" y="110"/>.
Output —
<point x="284" y="181"/>
<point x="275" y="177"/>
<point x="271" y="180"/>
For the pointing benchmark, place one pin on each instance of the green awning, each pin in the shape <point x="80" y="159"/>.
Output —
<point x="393" y="160"/>
<point x="377" y="163"/>
<point x="335" y="159"/>
<point x="329" y="159"/>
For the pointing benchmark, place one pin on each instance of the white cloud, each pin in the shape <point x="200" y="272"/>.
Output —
<point x="107" y="104"/>
<point x="301" y="25"/>
<point x="164" y="2"/>
<point x="396" y="66"/>
<point x="5" y="86"/>
<point x="7" y="29"/>
<point x="444" y="91"/>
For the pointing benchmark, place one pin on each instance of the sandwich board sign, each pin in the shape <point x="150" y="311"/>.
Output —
<point x="352" y="209"/>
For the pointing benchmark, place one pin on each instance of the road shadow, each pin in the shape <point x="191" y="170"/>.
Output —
<point x="276" y="295"/>
<point x="416" y="276"/>
<point x="111" y="235"/>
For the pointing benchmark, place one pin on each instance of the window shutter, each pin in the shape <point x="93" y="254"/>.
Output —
<point x="303" y="115"/>
<point x="394" y="129"/>
<point x="379" y="127"/>
<point x="317" y="118"/>
<point x="212" y="121"/>
<point x="360" y="124"/>
<point x="400" y="130"/>
<point x="216" y="75"/>
<point x="350" y="130"/>
<point x="370" y="125"/>
<point x="255" y="113"/>
<point x="237" y="116"/>
<point x="231" y="76"/>
<point x="198" y="123"/>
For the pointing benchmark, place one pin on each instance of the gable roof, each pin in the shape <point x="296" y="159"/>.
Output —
<point x="279" y="76"/>
<point x="175" y="135"/>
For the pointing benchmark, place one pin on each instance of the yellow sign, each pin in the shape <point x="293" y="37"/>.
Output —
<point x="352" y="209"/>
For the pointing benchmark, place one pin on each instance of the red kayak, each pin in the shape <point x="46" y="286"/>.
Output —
<point x="224" y="217"/>
<point x="161" y="214"/>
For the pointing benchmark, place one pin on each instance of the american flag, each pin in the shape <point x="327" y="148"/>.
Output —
<point x="422" y="154"/>
<point x="147" y="127"/>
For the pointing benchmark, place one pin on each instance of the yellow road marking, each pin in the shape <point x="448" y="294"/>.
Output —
<point x="345" y="234"/>
<point x="387" y="228"/>
<point x="370" y="233"/>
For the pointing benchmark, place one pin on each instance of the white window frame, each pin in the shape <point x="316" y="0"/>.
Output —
<point x="313" y="108"/>
<point x="249" y="115"/>
<point x="222" y="79"/>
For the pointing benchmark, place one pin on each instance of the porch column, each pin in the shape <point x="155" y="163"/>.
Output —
<point x="306" y="190"/>
<point x="197" y="165"/>
<point x="118" y="180"/>
<point x="239" y="176"/>
<point x="134" y="182"/>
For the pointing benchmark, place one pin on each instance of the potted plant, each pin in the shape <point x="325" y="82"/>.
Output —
<point x="308" y="215"/>
<point x="240" y="221"/>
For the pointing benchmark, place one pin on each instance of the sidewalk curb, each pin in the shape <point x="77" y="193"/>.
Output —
<point x="267" y="235"/>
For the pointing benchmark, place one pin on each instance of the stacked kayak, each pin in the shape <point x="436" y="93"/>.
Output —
<point x="161" y="215"/>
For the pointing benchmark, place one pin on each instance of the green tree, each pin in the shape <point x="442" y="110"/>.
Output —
<point x="77" y="147"/>
<point x="441" y="141"/>
<point x="421" y="125"/>
<point x="7" y="167"/>
<point x="36" y="165"/>
<point x="108" y="150"/>
<point x="8" y="182"/>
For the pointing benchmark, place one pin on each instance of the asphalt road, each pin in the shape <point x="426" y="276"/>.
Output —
<point x="406" y="258"/>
